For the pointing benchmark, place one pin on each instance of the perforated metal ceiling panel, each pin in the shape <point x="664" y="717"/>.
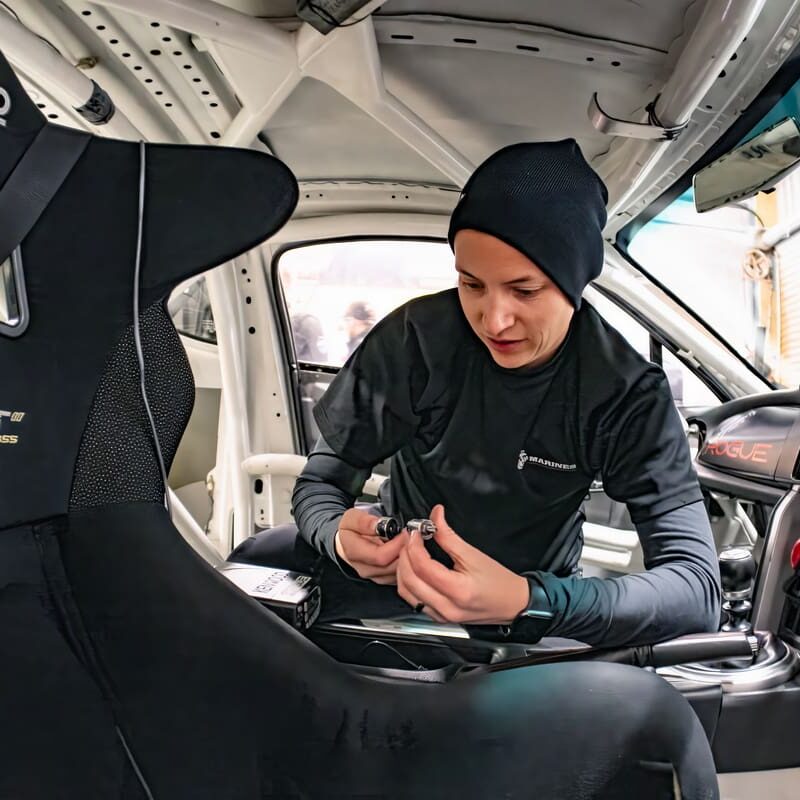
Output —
<point x="473" y="76"/>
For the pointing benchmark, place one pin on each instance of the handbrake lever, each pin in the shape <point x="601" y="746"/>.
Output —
<point x="692" y="648"/>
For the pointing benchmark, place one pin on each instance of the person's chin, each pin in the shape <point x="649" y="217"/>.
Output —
<point x="518" y="356"/>
<point x="509" y="362"/>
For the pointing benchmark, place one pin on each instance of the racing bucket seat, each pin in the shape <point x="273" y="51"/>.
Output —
<point x="129" y="667"/>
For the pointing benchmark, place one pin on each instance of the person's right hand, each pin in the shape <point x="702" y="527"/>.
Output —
<point x="359" y="546"/>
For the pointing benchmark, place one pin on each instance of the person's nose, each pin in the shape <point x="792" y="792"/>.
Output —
<point x="497" y="316"/>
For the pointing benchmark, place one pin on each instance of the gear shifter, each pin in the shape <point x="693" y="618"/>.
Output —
<point x="737" y="570"/>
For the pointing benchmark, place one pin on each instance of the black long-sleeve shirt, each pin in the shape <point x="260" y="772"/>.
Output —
<point x="511" y="455"/>
<point x="678" y="594"/>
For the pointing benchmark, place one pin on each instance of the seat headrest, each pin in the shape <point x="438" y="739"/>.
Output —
<point x="18" y="113"/>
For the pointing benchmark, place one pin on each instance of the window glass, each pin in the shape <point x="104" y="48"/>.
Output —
<point x="336" y="291"/>
<point x="687" y="389"/>
<point x="705" y="260"/>
<point x="190" y="310"/>
<point x="635" y="334"/>
<point x="738" y="266"/>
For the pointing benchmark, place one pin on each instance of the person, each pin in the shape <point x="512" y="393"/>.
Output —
<point x="359" y="320"/>
<point x="309" y="338"/>
<point x="498" y="403"/>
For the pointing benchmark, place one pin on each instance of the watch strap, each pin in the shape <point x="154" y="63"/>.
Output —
<point x="536" y="619"/>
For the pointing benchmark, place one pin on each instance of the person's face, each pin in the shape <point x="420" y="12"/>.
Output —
<point x="353" y="326"/>
<point x="514" y="308"/>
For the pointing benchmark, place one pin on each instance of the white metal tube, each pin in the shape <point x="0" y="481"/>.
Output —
<point x="213" y="21"/>
<point x="311" y="43"/>
<point x="192" y="532"/>
<point x="350" y="63"/>
<point x="702" y="59"/>
<point x="52" y="23"/>
<point x="779" y="233"/>
<point x="248" y="123"/>
<point x="421" y="138"/>
<point x="718" y="33"/>
<point x="288" y="464"/>
<point x="291" y="465"/>
<point x="221" y="284"/>
<point x="43" y="65"/>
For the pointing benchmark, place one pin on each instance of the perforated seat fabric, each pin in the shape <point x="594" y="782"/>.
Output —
<point x="122" y="650"/>
<point x="117" y="463"/>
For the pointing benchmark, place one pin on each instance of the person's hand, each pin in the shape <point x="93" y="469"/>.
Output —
<point x="359" y="546"/>
<point x="476" y="590"/>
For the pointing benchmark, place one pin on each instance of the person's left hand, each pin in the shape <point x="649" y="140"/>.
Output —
<point x="476" y="590"/>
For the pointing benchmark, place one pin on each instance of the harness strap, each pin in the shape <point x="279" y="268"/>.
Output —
<point x="35" y="181"/>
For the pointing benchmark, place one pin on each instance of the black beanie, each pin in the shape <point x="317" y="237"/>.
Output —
<point x="543" y="199"/>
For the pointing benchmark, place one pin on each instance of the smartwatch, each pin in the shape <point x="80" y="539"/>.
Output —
<point x="536" y="619"/>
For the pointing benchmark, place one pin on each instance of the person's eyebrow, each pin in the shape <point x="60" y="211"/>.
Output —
<point x="528" y="279"/>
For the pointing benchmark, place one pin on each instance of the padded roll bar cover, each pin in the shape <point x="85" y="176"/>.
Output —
<point x="221" y="699"/>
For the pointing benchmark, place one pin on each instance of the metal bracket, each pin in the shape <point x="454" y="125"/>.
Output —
<point x="99" y="108"/>
<point x="17" y="324"/>
<point x="652" y="129"/>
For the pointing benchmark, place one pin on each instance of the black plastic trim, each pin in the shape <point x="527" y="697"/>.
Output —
<point x="707" y="704"/>
<point x="99" y="108"/>
<point x="758" y="730"/>
<point x="740" y="487"/>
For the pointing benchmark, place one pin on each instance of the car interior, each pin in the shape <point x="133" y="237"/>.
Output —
<point x="204" y="207"/>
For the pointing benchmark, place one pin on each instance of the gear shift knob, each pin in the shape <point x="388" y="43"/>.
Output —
<point x="737" y="569"/>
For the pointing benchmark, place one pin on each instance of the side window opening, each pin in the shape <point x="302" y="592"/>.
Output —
<point x="688" y="390"/>
<point x="190" y="310"/>
<point x="335" y="292"/>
